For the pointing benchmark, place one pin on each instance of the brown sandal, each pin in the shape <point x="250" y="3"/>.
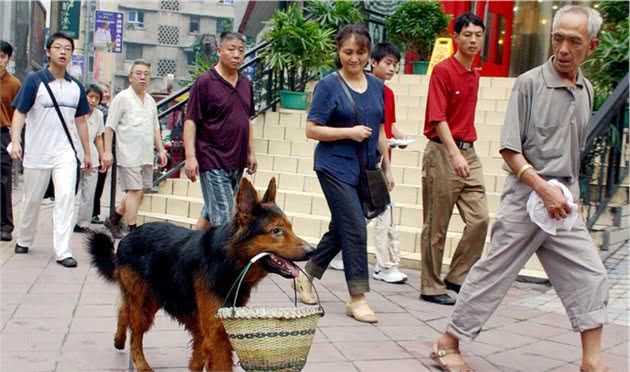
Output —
<point x="438" y="353"/>
<point x="304" y="288"/>
<point x="359" y="310"/>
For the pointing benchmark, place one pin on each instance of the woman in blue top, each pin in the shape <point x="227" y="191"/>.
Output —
<point x="332" y="121"/>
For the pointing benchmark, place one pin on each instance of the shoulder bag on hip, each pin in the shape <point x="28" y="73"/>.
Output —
<point x="65" y="129"/>
<point x="373" y="190"/>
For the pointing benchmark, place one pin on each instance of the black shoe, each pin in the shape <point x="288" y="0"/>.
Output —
<point x="6" y="236"/>
<point x="442" y="299"/>
<point x="113" y="228"/>
<point x="452" y="286"/>
<point x="96" y="221"/>
<point x="80" y="230"/>
<point x="20" y="249"/>
<point x="68" y="262"/>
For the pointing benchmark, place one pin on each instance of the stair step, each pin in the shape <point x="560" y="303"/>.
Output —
<point x="295" y="203"/>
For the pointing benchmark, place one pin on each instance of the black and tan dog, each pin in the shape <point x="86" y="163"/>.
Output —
<point x="188" y="273"/>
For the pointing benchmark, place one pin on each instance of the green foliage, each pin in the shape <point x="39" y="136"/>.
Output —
<point x="609" y="62"/>
<point x="614" y="12"/>
<point x="297" y="45"/>
<point x="334" y="14"/>
<point x="415" y="24"/>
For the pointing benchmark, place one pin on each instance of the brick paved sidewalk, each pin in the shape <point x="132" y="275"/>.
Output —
<point x="57" y="319"/>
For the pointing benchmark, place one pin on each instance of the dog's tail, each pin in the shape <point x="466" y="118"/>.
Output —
<point x="101" y="248"/>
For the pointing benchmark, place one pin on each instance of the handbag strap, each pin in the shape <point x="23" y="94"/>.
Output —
<point x="346" y="90"/>
<point x="63" y="122"/>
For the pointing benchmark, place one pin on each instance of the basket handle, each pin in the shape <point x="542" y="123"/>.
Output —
<point x="241" y="277"/>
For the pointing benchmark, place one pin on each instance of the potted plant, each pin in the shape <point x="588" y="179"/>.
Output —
<point x="297" y="47"/>
<point x="414" y="25"/>
<point x="333" y="15"/>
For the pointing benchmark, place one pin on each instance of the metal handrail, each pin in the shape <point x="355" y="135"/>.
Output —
<point x="604" y="145"/>
<point x="599" y="122"/>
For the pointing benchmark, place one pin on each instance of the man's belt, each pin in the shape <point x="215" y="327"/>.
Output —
<point x="460" y="144"/>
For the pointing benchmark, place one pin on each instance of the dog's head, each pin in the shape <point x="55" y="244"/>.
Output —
<point x="260" y="226"/>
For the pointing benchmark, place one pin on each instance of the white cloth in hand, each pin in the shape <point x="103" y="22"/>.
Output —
<point x="539" y="215"/>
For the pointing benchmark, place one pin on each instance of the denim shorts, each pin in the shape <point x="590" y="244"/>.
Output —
<point x="219" y="186"/>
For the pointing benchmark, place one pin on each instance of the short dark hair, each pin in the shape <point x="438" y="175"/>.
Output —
<point x="230" y="35"/>
<point x="465" y="20"/>
<point x="382" y="50"/>
<point x="94" y="87"/>
<point x="359" y="31"/>
<point x="59" y="35"/>
<point x="6" y="48"/>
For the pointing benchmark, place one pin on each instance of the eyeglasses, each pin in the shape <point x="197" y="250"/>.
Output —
<point x="59" y="47"/>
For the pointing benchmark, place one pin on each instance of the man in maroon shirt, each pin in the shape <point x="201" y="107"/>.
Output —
<point x="218" y="134"/>
<point x="451" y="170"/>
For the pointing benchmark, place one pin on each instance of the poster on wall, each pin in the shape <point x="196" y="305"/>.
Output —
<point x="108" y="31"/>
<point x="76" y="67"/>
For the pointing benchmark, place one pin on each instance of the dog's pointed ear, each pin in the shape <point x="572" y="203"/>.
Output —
<point x="270" y="194"/>
<point x="246" y="199"/>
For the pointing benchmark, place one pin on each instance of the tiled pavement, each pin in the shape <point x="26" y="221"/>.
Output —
<point x="56" y="319"/>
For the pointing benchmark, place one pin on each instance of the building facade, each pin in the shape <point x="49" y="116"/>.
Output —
<point x="162" y="33"/>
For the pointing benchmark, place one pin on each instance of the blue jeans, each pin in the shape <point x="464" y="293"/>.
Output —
<point x="219" y="186"/>
<point x="347" y="231"/>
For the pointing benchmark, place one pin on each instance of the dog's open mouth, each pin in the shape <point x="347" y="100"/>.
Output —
<point x="281" y="266"/>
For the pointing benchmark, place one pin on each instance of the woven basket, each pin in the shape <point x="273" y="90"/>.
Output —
<point x="270" y="339"/>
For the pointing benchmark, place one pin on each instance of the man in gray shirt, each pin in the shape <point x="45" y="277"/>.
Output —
<point x="544" y="130"/>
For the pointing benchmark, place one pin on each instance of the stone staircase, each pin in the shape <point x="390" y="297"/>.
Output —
<point x="284" y="152"/>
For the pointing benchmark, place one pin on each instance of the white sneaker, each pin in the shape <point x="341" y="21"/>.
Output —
<point x="336" y="264"/>
<point x="391" y="275"/>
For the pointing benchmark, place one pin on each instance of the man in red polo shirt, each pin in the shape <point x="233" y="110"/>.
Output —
<point x="451" y="170"/>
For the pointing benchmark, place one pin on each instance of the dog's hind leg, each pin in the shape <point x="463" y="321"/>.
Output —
<point x="141" y="319"/>
<point x="123" y="324"/>
<point x="142" y="307"/>
<point x="197" y="360"/>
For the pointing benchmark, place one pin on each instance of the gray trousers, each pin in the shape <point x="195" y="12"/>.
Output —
<point x="569" y="258"/>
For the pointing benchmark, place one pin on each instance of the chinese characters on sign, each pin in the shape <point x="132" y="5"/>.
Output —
<point x="69" y="17"/>
<point x="108" y="31"/>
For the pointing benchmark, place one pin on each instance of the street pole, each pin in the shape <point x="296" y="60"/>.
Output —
<point x="86" y="41"/>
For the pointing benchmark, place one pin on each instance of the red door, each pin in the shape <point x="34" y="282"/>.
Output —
<point x="498" y="17"/>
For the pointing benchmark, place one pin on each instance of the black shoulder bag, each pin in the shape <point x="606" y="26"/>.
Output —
<point x="65" y="129"/>
<point x="373" y="190"/>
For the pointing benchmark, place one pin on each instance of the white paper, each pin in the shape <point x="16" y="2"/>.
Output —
<point x="10" y="147"/>
<point x="393" y="142"/>
<point x="539" y="215"/>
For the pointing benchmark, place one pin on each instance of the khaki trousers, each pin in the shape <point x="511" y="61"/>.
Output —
<point x="441" y="191"/>
<point x="569" y="258"/>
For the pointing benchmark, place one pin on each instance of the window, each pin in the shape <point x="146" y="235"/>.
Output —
<point x="194" y="24"/>
<point x="133" y="52"/>
<point x="169" y="5"/>
<point x="136" y="18"/>
<point x="168" y="35"/>
<point x="190" y="57"/>
<point x="166" y="66"/>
